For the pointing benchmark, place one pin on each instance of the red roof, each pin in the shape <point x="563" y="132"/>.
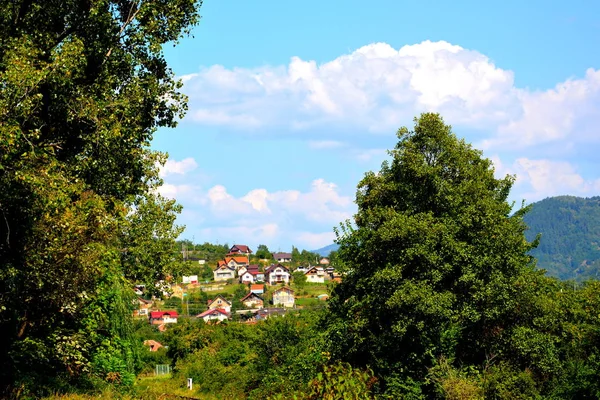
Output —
<point x="257" y="287"/>
<point x="241" y="248"/>
<point x="239" y="260"/>
<point x="213" y="311"/>
<point x="160" y="314"/>
<point x="249" y="295"/>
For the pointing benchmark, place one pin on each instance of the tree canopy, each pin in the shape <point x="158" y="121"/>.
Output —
<point x="84" y="87"/>
<point x="434" y="259"/>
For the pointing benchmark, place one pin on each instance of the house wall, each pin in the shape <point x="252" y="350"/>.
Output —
<point x="220" y="304"/>
<point x="278" y="275"/>
<point x="247" y="278"/>
<point x="223" y="275"/>
<point x="219" y="317"/>
<point x="283" y="298"/>
<point x="254" y="303"/>
<point x="314" y="278"/>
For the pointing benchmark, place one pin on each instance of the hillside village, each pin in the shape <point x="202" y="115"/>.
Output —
<point x="238" y="290"/>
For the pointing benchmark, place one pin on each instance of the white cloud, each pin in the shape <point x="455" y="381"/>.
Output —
<point x="172" y="191"/>
<point x="541" y="178"/>
<point x="377" y="88"/>
<point x="325" y="144"/>
<point x="314" y="241"/>
<point x="322" y="203"/>
<point x="182" y="167"/>
<point x="259" y="216"/>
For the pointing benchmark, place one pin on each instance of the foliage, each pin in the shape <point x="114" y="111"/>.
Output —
<point x="299" y="279"/>
<point x="206" y="251"/>
<point x="570" y="236"/>
<point x="84" y="86"/>
<point x="263" y="252"/>
<point x="433" y="260"/>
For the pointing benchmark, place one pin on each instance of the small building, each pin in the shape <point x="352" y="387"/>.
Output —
<point x="284" y="296"/>
<point x="324" y="261"/>
<point x="236" y="262"/>
<point x="153" y="345"/>
<point x="252" y="300"/>
<point x="247" y="278"/>
<point x="282" y="257"/>
<point x="220" y="302"/>
<point x="277" y="273"/>
<point x="223" y="272"/>
<point x="214" y="314"/>
<point x="143" y="307"/>
<point x="265" y="313"/>
<point x="239" y="249"/>
<point x="315" y="275"/>
<point x="258" y="289"/>
<point x="190" y="279"/>
<point x="163" y="317"/>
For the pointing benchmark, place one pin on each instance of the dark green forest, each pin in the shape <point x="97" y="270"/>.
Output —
<point x="569" y="247"/>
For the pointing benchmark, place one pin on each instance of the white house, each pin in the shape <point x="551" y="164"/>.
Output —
<point x="282" y="257"/>
<point x="163" y="317"/>
<point x="223" y="272"/>
<point x="219" y="302"/>
<point x="315" y="275"/>
<point x="284" y="296"/>
<point x="277" y="273"/>
<point x="215" y="314"/>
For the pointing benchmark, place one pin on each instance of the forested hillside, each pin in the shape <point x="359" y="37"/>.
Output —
<point x="570" y="236"/>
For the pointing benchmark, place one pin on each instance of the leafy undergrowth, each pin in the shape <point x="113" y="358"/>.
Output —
<point x="146" y="388"/>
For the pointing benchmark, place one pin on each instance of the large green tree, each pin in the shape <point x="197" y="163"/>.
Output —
<point x="434" y="260"/>
<point x="84" y="85"/>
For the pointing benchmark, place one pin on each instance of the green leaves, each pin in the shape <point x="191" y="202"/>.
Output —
<point x="434" y="250"/>
<point x="84" y="85"/>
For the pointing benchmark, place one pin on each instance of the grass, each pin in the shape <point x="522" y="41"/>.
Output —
<point x="308" y="302"/>
<point x="146" y="388"/>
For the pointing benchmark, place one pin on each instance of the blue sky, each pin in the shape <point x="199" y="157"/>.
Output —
<point x="292" y="102"/>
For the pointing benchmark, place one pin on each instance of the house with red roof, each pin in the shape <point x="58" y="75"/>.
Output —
<point x="223" y="272"/>
<point x="258" y="289"/>
<point x="239" y="249"/>
<point x="163" y="317"/>
<point x="220" y="302"/>
<point x="237" y="262"/>
<point x="214" y="314"/>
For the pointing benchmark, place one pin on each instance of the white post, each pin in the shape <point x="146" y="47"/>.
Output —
<point x="189" y="383"/>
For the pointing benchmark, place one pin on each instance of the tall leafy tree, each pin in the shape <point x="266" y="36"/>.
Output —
<point x="434" y="260"/>
<point x="84" y="85"/>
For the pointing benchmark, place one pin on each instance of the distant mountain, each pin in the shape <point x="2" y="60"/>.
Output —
<point x="324" y="251"/>
<point x="570" y="244"/>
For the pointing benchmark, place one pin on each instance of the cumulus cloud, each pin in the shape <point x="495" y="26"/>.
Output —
<point x="325" y="144"/>
<point x="172" y="191"/>
<point x="322" y="203"/>
<point x="182" y="167"/>
<point x="305" y="218"/>
<point x="377" y="88"/>
<point x="541" y="178"/>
